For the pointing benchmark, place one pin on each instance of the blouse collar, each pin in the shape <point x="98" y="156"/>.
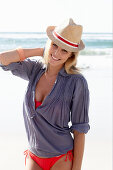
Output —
<point x="62" y="71"/>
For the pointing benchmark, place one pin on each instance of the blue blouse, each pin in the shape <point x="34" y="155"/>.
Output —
<point x="47" y="126"/>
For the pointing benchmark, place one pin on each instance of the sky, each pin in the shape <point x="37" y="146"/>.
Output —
<point x="36" y="15"/>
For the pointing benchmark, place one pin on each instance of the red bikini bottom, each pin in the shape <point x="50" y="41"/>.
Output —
<point x="47" y="163"/>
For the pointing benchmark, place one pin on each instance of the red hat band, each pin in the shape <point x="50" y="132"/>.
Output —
<point x="64" y="40"/>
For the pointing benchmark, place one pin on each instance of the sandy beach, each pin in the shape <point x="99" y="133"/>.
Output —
<point x="98" y="144"/>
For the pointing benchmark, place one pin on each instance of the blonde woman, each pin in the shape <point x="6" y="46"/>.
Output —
<point x="57" y="93"/>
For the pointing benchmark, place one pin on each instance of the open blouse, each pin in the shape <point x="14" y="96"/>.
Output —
<point x="47" y="126"/>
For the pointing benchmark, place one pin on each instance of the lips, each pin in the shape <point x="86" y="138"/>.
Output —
<point x="56" y="59"/>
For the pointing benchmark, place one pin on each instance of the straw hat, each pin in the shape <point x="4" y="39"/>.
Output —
<point x="67" y="35"/>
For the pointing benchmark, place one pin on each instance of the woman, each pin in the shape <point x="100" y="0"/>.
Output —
<point x="57" y="93"/>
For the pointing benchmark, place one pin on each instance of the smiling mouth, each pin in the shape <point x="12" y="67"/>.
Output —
<point x="55" y="58"/>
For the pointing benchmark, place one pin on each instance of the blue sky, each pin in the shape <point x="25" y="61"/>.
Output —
<point x="36" y="15"/>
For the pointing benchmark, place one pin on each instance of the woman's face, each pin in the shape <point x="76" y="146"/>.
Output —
<point x="57" y="55"/>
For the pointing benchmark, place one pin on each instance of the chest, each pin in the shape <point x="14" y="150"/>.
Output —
<point x="44" y="87"/>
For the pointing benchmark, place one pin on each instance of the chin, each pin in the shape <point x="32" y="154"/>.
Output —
<point x="53" y="64"/>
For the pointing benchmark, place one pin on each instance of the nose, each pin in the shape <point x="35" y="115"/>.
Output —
<point x="57" y="52"/>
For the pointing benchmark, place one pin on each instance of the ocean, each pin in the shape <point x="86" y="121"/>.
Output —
<point x="96" y="43"/>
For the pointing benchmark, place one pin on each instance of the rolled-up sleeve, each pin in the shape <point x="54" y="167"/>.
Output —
<point x="22" y="69"/>
<point x="80" y="107"/>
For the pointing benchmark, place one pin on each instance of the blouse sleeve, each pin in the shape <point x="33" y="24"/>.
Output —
<point x="22" y="69"/>
<point x="80" y="107"/>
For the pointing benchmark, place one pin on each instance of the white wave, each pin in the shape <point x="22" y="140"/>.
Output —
<point x="104" y="36"/>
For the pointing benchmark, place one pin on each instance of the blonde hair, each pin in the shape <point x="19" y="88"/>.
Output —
<point x="69" y="65"/>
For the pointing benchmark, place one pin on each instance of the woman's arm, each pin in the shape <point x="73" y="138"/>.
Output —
<point x="8" y="57"/>
<point x="79" y="141"/>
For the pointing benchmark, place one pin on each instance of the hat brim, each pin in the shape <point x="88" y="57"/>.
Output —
<point x="50" y="34"/>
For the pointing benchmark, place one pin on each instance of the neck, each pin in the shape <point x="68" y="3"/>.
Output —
<point x="53" y="71"/>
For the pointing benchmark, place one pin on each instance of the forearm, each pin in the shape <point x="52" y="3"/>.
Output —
<point x="79" y="141"/>
<point x="8" y="57"/>
<point x="33" y="52"/>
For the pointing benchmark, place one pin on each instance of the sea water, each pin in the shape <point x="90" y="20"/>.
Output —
<point x="96" y="43"/>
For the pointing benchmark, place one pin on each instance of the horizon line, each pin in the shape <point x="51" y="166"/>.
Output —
<point x="43" y="32"/>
